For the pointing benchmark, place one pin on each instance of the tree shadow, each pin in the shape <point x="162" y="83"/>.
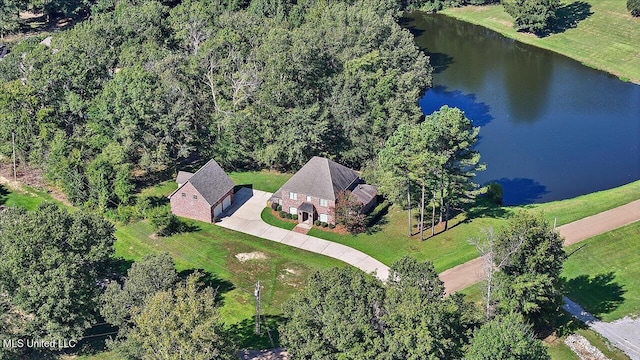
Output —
<point x="484" y="207"/>
<point x="4" y="193"/>
<point x="439" y="61"/>
<point x="221" y="286"/>
<point x="244" y="337"/>
<point x="521" y="191"/>
<point x="477" y="112"/>
<point x="378" y="219"/>
<point x="568" y="16"/>
<point x="598" y="295"/>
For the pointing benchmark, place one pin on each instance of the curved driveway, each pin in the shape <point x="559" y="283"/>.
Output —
<point x="244" y="216"/>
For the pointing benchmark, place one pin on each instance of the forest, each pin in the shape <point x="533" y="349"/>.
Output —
<point x="143" y="87"/>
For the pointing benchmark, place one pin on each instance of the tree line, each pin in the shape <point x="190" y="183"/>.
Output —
<point x="141" y="87"/>
<point x="346" y="314"/>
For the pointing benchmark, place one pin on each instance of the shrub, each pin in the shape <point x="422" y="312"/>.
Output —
<point x="634" y="7"/>
<point x="165" y="222"/>
<point x="289" y="216"/>
<point x="494" y="193"/>
<point x="324" y="224"/>
<point x="279" y="208"/>
<point x="282" y="214"/>
<point x="274" y="206"/>
<point x="294" y="216"/>
<point x="316" y="223"/>
<point x="332" y="226"/>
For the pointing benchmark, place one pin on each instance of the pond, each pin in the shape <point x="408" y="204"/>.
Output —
<point x="551" y="128"/>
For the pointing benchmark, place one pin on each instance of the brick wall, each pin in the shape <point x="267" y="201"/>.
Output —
<point x="187" y="206"/>
<point x="287" y="203"/>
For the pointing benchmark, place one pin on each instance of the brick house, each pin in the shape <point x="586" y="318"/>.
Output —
<point x="202" y="195"/>
<point x="311" y="193"/>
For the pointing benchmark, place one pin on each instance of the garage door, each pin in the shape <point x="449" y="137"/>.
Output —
<point x="226" y="202"/>
<point x="217" y="210"/>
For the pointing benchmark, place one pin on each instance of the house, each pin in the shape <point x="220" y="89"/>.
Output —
<point x="311" y="193"/>
<point x="202" y="195"/>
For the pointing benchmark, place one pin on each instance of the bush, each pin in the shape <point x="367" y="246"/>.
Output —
<point x="634" y="7"/>
<point x="494" y="193"/>
<point x="274" y="206"/>
<point x="288" y="216"/>
<point x="294" y="216"/>
<point x="316" y="223"/>
<point x="165" y="222"/>
<point x="279" y="208"/>
<point x="282" y="214"/>
<point x="324" y="224"/>
<point x="332" y="226"/>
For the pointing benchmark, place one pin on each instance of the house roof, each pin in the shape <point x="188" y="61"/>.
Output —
<point x="321" y="177"/>
<point x="307" y="207"/>
<point x="365" y="192"/>
<point x="210" y="181"/>
<point x="183" y="177"/>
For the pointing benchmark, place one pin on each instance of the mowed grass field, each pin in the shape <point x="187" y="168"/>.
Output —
<point x="604" y="275"/>
<point x="388" y="240"/>
<point x="607" y="39"/>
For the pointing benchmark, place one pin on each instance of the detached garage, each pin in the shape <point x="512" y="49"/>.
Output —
<point x="203" y="195"/>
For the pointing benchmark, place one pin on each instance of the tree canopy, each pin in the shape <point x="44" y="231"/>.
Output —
<point x="141" y="86"/>
<point x="346" y="314"/>
<point x="533" y="16"/>
<point x="50" y="264"/>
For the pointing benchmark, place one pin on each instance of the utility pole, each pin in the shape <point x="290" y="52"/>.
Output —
<point x="256" y="293"/>
<point x="13" y="143"/>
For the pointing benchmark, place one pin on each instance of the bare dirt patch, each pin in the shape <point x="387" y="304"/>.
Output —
<point x="255" y="255"/>
<point x="30" y="176"/>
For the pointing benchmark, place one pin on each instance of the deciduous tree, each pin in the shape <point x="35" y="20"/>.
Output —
<point x="533" y="16"/>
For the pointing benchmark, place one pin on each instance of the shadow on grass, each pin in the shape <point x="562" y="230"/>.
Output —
<point x="218" y="284"/>
<point x="599" y="294"/>
<point x="484" y="207"/>
<point x="378" y="218"/>
<point x="568" y="16"/>
<point x="244" y="336"/>
<point x="4" y="193"/>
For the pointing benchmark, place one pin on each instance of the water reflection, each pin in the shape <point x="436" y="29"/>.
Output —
<point x="519" y="191"/>
<point x="526" y="77"/>
<point x="478" y="112"/>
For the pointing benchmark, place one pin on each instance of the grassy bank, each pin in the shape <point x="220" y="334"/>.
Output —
<point x="604" y="275"/>
<point x="607" y="38"/>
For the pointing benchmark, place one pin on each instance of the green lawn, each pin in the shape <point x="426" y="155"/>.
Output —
<point x="269" y="181"/>
<point x="28" y="197"/>
<point x="212" y="250"/>
<point x="271" y="219"/>
<point x="608" y="39"/>
<point x="604" y="275"/>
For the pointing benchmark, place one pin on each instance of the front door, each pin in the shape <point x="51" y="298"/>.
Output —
<point x="305" y="216"/>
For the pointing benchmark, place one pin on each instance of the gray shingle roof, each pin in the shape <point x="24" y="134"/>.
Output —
<point x="211" y="182"/>
<point x="365" y="192"/>
<point x="321" y="177"/>
<point x="183" y="177"/>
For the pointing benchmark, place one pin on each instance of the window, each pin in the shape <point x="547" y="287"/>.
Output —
<point x="195" y="196"/>
<point x="184" y="195"/>
<point x="324" y="202"/>
<point x="293" y="196"/>
<point x="293" y="211"/>
<point x="308" y="198"/>
<point x="324" y="218"/>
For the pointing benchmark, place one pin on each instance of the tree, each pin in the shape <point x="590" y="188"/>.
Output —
<point x="119" y="303"/>
<point x="180" y="323"/>
<point x="529" y="278"/>
<point x="50" y="262"/>
<point x="336" y="316"/>
<point x="348" y="211"/>
<point x="533" y="16"/>
<point x="634" y="7"/>
<point x="419" y="321"/>
<point x="506" y="337"/>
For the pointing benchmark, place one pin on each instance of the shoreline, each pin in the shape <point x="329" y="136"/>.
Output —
<point x="466" y="14"/>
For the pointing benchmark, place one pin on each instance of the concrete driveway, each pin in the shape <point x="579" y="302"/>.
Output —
<point x="244" y="216"/>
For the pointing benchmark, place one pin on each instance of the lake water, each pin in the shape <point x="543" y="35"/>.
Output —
<point x="551" y="128"/>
